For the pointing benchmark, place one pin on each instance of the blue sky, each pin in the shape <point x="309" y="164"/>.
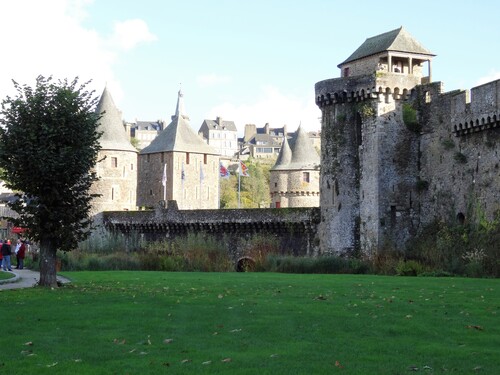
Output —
<point x="247" y="61"/>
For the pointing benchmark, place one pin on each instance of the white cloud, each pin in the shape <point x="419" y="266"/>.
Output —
<point x="48" y="38"/>
<point x="212" y="79"/>
<point x="492" y="76"/>
<point x="272" y="107"/>
<point x="130" y="33"/>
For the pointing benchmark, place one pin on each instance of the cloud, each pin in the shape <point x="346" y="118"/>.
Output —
<point x="130" y="33"/>
<point x="49" y="38"/>
<point x="212" y="79"/>
<point x="492" y="76"/>
<point x="272" y="107"/>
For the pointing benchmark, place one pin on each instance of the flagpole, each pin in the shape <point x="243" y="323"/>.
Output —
<point x="239" y="177"/>
<point x="164" y="180"/>
<point x="218" y="195"/>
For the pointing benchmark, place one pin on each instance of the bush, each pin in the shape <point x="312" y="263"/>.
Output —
<point x="409" y="268"/>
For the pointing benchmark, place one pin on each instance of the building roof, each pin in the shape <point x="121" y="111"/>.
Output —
<point x="148" y="125"/>
<point x="114" y="135"/>
<point x="395" y="40"/>
<point x="303" y="153"/>
<point x="226" y="125"/>
<point x="284" y="157"/>
<point x="178" y="135"/>
<point x="263" y="140"/>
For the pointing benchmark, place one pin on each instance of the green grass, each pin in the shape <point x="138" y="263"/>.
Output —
<point x="6" y="275"/>
<point x="259" y="323"/>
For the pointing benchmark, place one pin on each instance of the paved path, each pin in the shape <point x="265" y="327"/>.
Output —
<point x="24" y="278"/>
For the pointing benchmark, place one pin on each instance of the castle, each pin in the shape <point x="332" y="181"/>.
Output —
<point x="294" y="178"/>
<point x="398" y="153"/>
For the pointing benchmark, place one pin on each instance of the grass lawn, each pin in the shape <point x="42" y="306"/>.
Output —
<point x="6" y="275"/>
<point x="252" y="323"/>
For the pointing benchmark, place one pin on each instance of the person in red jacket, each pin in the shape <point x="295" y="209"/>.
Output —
<point x="20" y="254"/>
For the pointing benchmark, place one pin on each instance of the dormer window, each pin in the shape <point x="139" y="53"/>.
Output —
<point x="346" y="72"/>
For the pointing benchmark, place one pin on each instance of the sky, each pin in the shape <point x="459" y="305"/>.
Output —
<point x="247" y="61"/>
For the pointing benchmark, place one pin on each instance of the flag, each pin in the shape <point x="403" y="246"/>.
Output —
<point x="183" y="175"/>
<point x="243" y="170"/>
<point x="164" y="177"/>
<point x="202" y="176"/>
<point x="223" y="172"/>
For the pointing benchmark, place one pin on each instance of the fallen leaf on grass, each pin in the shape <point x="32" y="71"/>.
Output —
<point x="477" y="368"/>
<point x="29" y="343"/>
<point x="185" y="361"/>
<point x="273" y="355"/>
<point x="52" y="365"/>
<point x="414" y="368"/>
<point x="321" y="298"/>
<point x="236" y="330"/>
<point x="26" y="352"/>
<point x="337" y="364"/>
<point x="479" y="328"/>
<point x="206" y="362"/>
<point x="168" y="341"/>
<point x="409" y="316"/>
<point x="225" y="360"/>
<point x="119" y="342"/>
<point x="77" y="360"/>
<point x="133" y="350"/>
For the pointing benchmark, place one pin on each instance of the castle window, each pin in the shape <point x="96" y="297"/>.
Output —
<point x="150" y="191"/>
<point x="131" y="166"/>
<point x="461" y="218"/>
<point x="305" y="177"/>
<point x="278" y="204"/>
<point x="112" y="194"/>
<point x="205" y="158"/>
<point x="346" y="72"/>
<point x="187" y="157"/>
<point x="114" y="162"/>
<point x="162" y="157"/>
<point x="148" y="157"/>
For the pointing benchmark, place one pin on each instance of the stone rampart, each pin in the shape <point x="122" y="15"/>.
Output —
<point x="295" y="229"/>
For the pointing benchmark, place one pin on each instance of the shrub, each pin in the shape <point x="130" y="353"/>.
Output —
<point x="409" y="268"/>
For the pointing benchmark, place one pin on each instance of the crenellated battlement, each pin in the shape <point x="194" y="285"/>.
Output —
<point x="477" y="110"/>
<point x="380" y="86"/>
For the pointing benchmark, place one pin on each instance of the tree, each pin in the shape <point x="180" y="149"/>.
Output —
<point x="49" y="144"/>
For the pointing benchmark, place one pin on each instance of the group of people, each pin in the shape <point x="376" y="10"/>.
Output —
<point x="6" y="253"/>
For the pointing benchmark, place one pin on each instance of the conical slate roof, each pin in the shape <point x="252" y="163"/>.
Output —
<point x="178" y="135"/>
<point x="284" y="157"/>
<point x="114" y="136"/>
<point x="396" y="40"/>
<point x="304" y="155"/>
<point x="300" y="155"/>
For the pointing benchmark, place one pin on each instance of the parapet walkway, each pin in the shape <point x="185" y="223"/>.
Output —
<point x="24" y="278"/>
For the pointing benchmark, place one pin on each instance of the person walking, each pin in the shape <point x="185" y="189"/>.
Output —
<point x="6" y="253"/>
<point x="21" y="253"/>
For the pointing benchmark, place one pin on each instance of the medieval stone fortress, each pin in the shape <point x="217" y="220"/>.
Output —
<point x="397" y="153"/>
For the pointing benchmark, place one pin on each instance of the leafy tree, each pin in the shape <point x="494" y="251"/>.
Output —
<point x="49" y="144"/>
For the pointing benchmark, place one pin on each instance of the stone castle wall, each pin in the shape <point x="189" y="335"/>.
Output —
<point x="383" y="179"/>
<point x="117" y="184"/>
<point x="294" y="229"/>
<point x="192" y="192"/>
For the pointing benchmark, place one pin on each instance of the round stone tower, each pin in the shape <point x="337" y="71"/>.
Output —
<point x="294" y="179"/>
<point x="117" y="165"/>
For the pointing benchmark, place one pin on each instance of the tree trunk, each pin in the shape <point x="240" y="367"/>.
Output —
<point x="47" y="264"/>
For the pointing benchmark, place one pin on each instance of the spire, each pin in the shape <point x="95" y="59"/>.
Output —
<point x="284" y="157"/>
<point x="179" y="110"/>
<point x="114" y="136"/>
<point x="304" y="155"/>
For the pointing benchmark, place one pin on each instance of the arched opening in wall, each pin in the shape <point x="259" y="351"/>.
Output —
<point x="405" y="94"/>
<point x="427" y="97"/>
<point x="387" y="95"/>
<point x="245" y="264"/>
<point x="396" y="95"/>
<point x="461" y="218"/>
<point x="359" y="134"/>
